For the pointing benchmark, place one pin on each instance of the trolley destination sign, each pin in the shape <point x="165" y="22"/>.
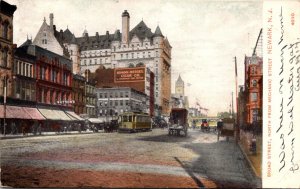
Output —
<point x="129" y="74"/>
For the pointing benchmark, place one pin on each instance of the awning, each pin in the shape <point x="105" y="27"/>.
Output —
<point x="14" y="112"/>
<point x="95" y="120"/>
<point x="74" y="116"/>
<point x="54" y="114"/>
<point x="63" y="115"/>
<point x="34" y="113"/>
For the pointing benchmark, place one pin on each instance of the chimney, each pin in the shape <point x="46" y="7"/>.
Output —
<point x="51" y="21"/>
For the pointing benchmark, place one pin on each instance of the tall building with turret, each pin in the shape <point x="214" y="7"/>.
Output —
<point x="127" y="48"/>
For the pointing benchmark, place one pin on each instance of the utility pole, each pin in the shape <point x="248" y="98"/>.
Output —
<point x="237" y="102"/>
<point x="232" y="113"/>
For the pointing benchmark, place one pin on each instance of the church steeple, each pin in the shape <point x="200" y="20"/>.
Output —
<point x="179" y="86"/>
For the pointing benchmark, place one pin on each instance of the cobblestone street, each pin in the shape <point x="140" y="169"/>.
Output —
<point x="145" y="159"/>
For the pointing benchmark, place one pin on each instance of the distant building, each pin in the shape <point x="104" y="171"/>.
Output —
<point x="117" y="100"/>
<point x="138" y="78"/>
<point x="179" y="100"/>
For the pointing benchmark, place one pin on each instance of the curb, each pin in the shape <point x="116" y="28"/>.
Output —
<point x="249" y="162"/>
<point x="42" y="135"/>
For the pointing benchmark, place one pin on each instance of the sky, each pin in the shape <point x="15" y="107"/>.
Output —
<point x="205" y="35"/>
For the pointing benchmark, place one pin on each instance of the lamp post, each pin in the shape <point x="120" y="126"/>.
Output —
<point x="4" y="104"/>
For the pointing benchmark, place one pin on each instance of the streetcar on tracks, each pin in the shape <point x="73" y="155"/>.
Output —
<point x="134" y="121"/>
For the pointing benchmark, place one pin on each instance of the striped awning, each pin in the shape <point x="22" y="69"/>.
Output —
<point x="18" y="112"/>
<point x="54" y="114"/>
<point x="74" y="116"/>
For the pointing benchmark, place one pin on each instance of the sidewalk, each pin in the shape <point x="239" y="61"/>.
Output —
<point x="20" y="135"/>
<point x="254" y="160"/>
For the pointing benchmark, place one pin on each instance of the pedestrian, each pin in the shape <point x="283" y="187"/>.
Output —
<point x="39" y="129"/>
<point x="13" y="128"/>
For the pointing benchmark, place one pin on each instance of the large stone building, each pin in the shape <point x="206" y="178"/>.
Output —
<point x="6" y="47"/>
<point x="129" y="48"/>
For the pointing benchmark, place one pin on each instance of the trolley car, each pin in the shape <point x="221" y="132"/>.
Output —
<point x="133" y="122"/>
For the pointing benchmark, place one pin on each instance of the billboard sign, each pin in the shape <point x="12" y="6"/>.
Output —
<point x="129" y="74"/>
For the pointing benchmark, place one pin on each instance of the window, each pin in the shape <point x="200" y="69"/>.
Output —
<point x="4" y="58"/>
<point x="253" y="97"/>
<point x="95" y="61"/>
<point x="26" y="69"/>
<point x="132" y="55"/>
<point x="121" y="56"/>
<point x="149" y="54"/>
<point x="126" y="55"/>
<point x="30" y="71"/>
<point x="254" y="82"/>
<point x="42" y="73"/>
<point x="5" y="30"/>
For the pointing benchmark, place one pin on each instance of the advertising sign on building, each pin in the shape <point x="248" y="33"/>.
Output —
<point x="129" y="74"/>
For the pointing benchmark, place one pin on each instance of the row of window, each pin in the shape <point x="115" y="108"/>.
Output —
<point x="115" y="94"/>
<point x="52" y="97"/>
<point x="95" y="61"/>
<point x="54" y="76"/>
<point x="95" y="53"/>
<point x="114" y="103"/>
<point x="135" y="55"/>
<point x="24" y="68"/>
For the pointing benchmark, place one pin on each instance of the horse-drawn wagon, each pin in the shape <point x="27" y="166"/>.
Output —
<point x="178" y="121"/>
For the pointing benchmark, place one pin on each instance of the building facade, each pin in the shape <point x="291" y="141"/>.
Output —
<point x="138" y="78"/>
<point x="24" y="75"/>
<point x="117" y="100"/>
<point x="91" y="99"/>
<point x="54" y="78"/>
<point x="136" y="47"/>
<point x="253" y="89"/>
<point x="78" y="94"/>
<point x="6" y="48"/>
